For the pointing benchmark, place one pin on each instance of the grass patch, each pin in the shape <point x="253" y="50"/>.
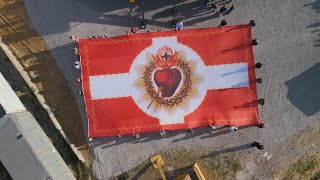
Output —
<point x="233" y="165"/>
<point x="316" y="176"/>
<point x="180" y="161"/>
<point x="82" y="172"/>
<point x="305" y="169"/>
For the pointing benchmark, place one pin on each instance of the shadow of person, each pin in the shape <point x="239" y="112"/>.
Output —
<point x="229" y="10"/>
<point x="221" y="131"/>
<point x="218" y="133"/>
<point x="228" y="150"/>
<point x="196" y="133"/>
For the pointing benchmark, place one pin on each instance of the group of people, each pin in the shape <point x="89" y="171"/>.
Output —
<point x="98" y="36"/>
<point x="225" y="8"/>
<point x="190" y="131"/>
<point x="134" y="30"/>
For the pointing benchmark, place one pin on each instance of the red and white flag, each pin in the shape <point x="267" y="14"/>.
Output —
<point x="169" y="80"/>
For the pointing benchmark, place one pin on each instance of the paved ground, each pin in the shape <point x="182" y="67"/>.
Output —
<point x="289" y="35"/>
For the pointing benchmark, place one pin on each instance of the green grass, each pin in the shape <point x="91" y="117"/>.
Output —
<point x="304" y="169"/>
<point x="82" y="171"/>
<point x="235" y="167"/>
<point x="315" y="176"/>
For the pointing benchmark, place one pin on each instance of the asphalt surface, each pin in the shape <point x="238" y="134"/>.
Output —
<point x="289" y="49"/>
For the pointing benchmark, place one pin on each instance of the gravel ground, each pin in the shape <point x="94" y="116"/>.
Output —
<point x="289" y="42"/>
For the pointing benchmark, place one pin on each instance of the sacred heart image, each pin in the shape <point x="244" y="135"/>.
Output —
<point x="167" y="68"/>
<point x="167" y="80"/>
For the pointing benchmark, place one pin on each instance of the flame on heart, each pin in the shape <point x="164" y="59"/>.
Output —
<point x="162" y="62"/>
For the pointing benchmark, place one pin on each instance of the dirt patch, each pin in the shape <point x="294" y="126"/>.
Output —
<point x="32" y="52"/>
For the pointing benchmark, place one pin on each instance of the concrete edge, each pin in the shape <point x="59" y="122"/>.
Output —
<point x="8" y="98"/>
<point x="40" y="98"/>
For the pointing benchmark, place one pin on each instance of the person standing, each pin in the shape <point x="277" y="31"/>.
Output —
<point x="179" y="25"/>
<point x="257" y="145"/>
<point x="214" y="6"/>
<point x="233" y="128"/>
<point x="222" y="10"/>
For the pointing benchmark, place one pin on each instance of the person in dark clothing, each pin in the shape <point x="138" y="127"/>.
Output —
<point x="252" y="23"/>
<point x="257" y="145"/>
<point x="259" y="80"/>
<point x="261" y="101"/>
<point x="223" y="23"/>
<point x="261" y="125"/>
<point x="222" y="10"/>
<point x="258" y="65"/>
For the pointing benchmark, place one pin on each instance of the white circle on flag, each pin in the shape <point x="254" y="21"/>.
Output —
<point x="177" y="113"/>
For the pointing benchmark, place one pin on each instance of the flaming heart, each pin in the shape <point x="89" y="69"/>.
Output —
<point x="167" y="78"/>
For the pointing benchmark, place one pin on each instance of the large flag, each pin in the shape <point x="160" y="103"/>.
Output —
<point x="169" y="80"/>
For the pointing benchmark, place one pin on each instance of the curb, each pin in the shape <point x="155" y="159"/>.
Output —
<point x="40" y="98"/>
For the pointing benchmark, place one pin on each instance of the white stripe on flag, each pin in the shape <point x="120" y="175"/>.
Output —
<point x="226" y="76"/>
<point x="110" y="86"/>
<point x="215" y="77"/>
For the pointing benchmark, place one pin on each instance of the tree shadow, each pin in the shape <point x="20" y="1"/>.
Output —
<point x="316" y="7"/>
<point x="119" y="13"/>
<point x="303" y="91"/>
